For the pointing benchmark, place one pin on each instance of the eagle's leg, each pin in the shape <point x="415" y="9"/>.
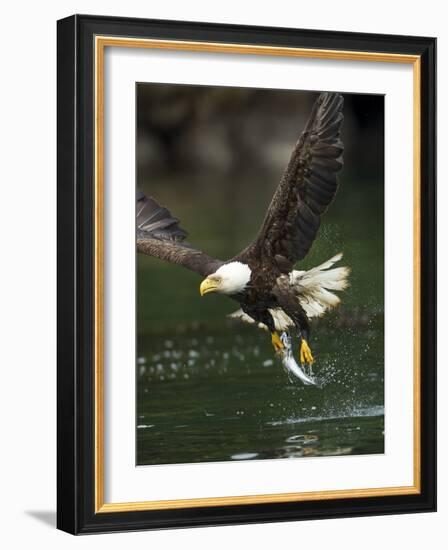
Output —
<point x="305" y="354"/>
<point x="263" y="316"/>
<point x="277" y="342"/>
<point x="303" y="328"/>
<point x="288" y="302"/>
<point x="266" y="318"/>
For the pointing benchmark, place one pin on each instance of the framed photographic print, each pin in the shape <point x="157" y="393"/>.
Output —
<point x="246" y="267"/>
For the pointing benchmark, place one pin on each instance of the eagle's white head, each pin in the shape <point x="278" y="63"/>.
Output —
<point x="230" y="278"/>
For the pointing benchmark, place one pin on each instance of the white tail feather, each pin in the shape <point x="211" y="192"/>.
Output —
<point x="313" y="286"/>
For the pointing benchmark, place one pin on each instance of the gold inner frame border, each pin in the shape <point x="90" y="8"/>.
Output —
<point x="101" y="42"/>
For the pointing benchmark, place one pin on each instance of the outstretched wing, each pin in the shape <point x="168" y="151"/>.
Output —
<point x="159" y="235"/>
<point x="308" y="186"/>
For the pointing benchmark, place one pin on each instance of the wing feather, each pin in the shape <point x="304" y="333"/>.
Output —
<point x="159" y="235"/>
<point x="307" y="188"/>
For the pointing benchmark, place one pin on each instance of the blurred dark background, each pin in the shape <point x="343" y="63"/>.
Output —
<point x="233" y="131"/>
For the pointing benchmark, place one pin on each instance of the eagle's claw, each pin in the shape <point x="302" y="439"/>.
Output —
<point x="305" y="353"/>
<point x="279" y="347"/>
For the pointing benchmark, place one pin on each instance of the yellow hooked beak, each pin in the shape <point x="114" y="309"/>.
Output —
<point x="208" y="285"/>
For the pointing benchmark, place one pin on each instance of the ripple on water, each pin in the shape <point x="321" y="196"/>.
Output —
<point x="243" y="456"/>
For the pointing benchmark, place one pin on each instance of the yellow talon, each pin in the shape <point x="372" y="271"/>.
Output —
<point x="276" y="342"/>
<point x="305" y="353"/>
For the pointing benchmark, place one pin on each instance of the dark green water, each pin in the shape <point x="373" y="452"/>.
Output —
<point x="212" y="390"/>
<point x="223" y="396"/>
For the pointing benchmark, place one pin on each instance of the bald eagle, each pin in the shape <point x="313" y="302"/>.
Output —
<point x="261" y="278"/>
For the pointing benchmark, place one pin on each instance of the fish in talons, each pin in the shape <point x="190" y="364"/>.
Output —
<point x="290" y="364"/>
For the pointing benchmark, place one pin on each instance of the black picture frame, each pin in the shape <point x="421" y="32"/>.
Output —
<point x="76" y="512"/>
